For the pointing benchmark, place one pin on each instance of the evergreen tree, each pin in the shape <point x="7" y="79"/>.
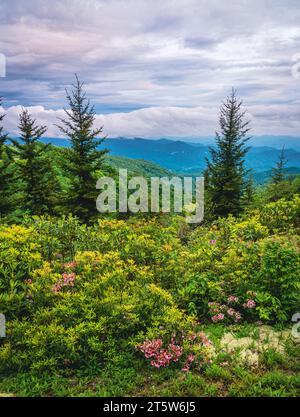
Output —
<point x="84" y="156"/>
<point x="249" y="191"/>
<point x="278" y="171"/>
<point x="6" y="172"/>
<point x="278" y="186"/>
<point x="37" y="180"/>
<point x="225" y="174"/>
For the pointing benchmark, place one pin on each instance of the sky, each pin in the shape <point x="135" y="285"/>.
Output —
<point x="153" y="68"/>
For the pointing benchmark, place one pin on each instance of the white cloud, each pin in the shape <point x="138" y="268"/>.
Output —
<point x="170" y="61"/>
<point x="167" y="121"/>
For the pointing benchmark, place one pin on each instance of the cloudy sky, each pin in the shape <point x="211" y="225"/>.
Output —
<point x="154" y="68"/>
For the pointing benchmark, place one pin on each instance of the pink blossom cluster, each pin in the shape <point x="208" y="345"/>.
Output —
<point x="237" y="316"/>
<point x="233" y="299"/>
<point x="199" y="337"/>
<point x="67" y="280"/>
<point x="213" y="242"/>
<point x="219" y="311"/>
<point x="218" y="317"/>
<point x="249" y="304"/>
<point x="214" y="307"/>
<point x="190" y="359"/>
<point x="161" y="357"/>
<point x="234" y="314"/>
<point x="28" y="281"/>
<point x="69" y="265"/>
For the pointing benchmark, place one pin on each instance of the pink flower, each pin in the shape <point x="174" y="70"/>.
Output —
<point x="231" y="312"/>
<point x="69" y="265"/>
<point x="237" y="317"/>
<point x="232" y="299"/>
<point x="249" y="304"/>
<point x="67" y="280"/>
<point x="218" y="317"/>
<point x="213" y="242"/>
<point x="28" y="281"/>
<point x="160" y="357"/>
<point x="188" y="363"/>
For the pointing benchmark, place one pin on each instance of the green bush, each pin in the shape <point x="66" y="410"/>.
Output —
<point x="82" y="297"/>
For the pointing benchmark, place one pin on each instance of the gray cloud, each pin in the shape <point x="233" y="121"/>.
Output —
<point x="155" y="61"/>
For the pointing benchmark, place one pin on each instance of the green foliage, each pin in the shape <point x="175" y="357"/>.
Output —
<point x="278" y="170"/>
<point x="84" y="158"/>
<point x="35" y="176"/>
<point x="282" y="215"/>
<point x="82" y="297"/>
<point x="225" y="174"/>
<point x="6" y="172"/>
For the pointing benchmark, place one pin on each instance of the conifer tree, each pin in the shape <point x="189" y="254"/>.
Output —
<point x="277" y="188"/>
<point x="249" y="191"/>
<point x="6" y="173"/>
<point x="37" y="180"/>
<point x="85" y="159"/>
<point x="225" y="174"/>
<point x="278" y="171"/>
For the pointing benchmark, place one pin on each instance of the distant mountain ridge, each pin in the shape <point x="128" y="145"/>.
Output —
<point x="188" y="158"/>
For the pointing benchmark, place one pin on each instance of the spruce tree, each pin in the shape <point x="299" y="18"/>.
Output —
<point x="85" y="159"/>
<point x="278" y="171"/>
<point x="277" y="187"/>
<point x="226" y="173"/>
<point x="6" y="172"/>
<point x="37" y="180"/>
<point x="249" y="191"/>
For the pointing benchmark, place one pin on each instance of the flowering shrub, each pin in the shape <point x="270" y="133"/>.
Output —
<point x="161" y="357"/>
<point x="67" y="280"/>
<point x="77" y="295"/>
<point x="194" y="349"/>
<point x="224" y="312"/>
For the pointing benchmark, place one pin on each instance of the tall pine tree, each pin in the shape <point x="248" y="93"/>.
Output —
<point x="38" y="183"/>
<point x="84" y="156"/>
<point x="226" y="173"/>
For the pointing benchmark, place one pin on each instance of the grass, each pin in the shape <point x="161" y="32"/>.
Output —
<point x="278" y="375"/>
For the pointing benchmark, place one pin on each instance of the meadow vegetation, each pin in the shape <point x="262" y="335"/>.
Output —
<point x="151" y="306"/>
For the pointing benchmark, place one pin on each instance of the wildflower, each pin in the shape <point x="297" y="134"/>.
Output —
<point x="204" y="339"/>
<point x="188" y="363"/>
<point x="218" y="317"/>
<point x="232" y="299"/>
<point x="69" y="265"/>
<point x="67" y="280"/>
<point x="161" y="357"/>
<point x="231" y="312"/>
<point x="213" y="242"/>
<point x="249" y="304"/>
<point x="237" y="317"/>
<point x="28" y="281"/>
